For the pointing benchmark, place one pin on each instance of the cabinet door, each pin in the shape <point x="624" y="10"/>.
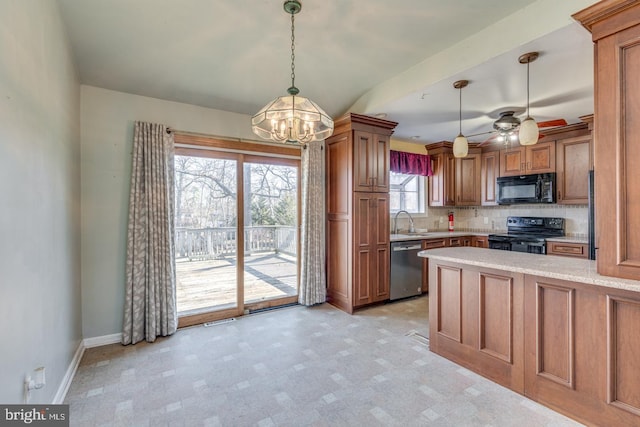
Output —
<point x="541" y="157"/>
<point x="512" y="161"/>
<point x="371" y="247"/>
<point x="381" y="269"/>
<point x="480" y="241"/>
<point x="380" y="163"/>
<point x="489" y="171"/>
<point x="617" y="150"/>
<point x="449" y="184"/>
<point x="436" y="181"/>
<point x="573" y="160"/>
<point x="370" y="162"/>
<point x="468" y="180"/>
<point x="362" y="161"/>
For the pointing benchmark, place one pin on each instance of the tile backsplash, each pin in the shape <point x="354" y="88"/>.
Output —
<point x="494" y="218"/>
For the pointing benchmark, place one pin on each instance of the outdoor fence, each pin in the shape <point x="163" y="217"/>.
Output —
<point x="198" y="244"/>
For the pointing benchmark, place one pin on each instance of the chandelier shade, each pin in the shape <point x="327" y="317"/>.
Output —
<point x="292" y="118"/>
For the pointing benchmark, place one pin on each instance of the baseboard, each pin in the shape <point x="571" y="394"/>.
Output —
<point x="68" y="376"/>
<point x="75" y="362"/>
<point x="102" y="340"/>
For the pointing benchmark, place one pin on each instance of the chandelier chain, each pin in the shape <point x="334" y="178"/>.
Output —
<point x="293" y="54"/>
<point x="460" y="112"/>
<point x="528" y="62"/>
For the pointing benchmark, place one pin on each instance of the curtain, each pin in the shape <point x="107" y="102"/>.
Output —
<point x="410" y="163"/>
<point x="150" y="304"/>
<point x="313" y="289"/>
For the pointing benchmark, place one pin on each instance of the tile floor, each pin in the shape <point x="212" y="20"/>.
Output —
<point x="295" y="366"/>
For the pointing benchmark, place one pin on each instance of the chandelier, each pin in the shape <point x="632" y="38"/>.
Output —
<point x="292" y="118"/>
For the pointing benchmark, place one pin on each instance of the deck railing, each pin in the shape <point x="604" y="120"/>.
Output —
<point x="198" y="244"/>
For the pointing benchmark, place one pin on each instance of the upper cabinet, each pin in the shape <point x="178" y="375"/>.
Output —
<point x="529" y="159"/>
<point x="455" y="181"/>
<point x="615" y="28"/>
<point x="489" y="171"/>
<point x="573" y="163"/>
<point x="370" y="161"/>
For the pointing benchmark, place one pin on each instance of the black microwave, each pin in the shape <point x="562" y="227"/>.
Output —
<point x="536" y="188"/>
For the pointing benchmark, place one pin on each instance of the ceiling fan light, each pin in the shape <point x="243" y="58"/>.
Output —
<point x="460" y="146"/>
<point x="528" y="133"/>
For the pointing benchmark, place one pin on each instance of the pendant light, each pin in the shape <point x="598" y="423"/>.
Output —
<point x="292" y="118"/>
<point x="460" y="144"/>
<point x="528" y="133"/>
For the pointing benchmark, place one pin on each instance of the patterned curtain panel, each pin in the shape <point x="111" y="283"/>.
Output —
<point x="313" y="288"/>
<point x="150" y="305"/>
<point x="410" y="163"/>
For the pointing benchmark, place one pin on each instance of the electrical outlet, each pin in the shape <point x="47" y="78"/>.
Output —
<point x="486" y="220"/>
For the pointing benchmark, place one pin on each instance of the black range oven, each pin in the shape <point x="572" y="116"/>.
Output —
<point x="527" y="234"/>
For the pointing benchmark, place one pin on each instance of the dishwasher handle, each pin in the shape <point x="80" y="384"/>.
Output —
<point x="406" y="248"/>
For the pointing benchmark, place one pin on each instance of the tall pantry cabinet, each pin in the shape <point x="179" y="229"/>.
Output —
<point x="615" y="29"/>
<point x="357" y="197"/>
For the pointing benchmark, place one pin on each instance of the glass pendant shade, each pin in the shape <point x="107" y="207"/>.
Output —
<point x="460" y="146"/>
<point x="292" y="119"/>
<point x="528" y="133"/>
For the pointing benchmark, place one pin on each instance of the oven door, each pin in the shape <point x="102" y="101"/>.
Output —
<point x="529" y="247"/>
<point x="500" y="244"/>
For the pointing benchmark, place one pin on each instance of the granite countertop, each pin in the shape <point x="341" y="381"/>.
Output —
<point x="402" y="237"/>
<point x="568" y="239"/>
<point x="557" y="267"/>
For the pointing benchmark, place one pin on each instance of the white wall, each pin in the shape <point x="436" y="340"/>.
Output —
<point x="107" y="139"/>
<point x="40" y="198"/>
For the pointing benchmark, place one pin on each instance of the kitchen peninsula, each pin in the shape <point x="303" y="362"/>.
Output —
<point x="548" y="327"/>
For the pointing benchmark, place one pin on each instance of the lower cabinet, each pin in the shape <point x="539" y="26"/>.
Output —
<point x="581" y="350"/>
<point x="476" y="318"/>
<point x="570" y="346"/>
<point x="578" y="250"/>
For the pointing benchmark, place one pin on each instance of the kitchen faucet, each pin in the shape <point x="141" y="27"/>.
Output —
<point x="395" y="222"/>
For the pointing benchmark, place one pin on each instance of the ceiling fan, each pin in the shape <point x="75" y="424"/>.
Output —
<point x="507" y="125"/>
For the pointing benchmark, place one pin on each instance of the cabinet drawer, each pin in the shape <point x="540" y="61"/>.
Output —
<point x="567" y="249"/>
<point x="455" y="241"/>
<point x="434" y="243"/>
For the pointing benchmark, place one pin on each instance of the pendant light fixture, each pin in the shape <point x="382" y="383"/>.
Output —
<point x="292" y="118"/>
<point x="528" y="133"/>
<point x="460" y="144"/>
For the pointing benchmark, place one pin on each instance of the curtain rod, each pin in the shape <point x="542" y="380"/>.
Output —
<point x="226" y="138"/>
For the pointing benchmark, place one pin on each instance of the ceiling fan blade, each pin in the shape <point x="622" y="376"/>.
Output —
<point x="488" y="140"/>
<point x="552" y="123"/>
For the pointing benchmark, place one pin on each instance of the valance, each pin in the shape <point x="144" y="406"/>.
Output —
<point x="410" y="163"/>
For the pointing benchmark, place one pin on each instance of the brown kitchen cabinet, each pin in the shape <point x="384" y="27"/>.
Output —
<point x="581" y="348"/>
<point x="467" y="180"/>
<point x="568" y="345"/>
<point x="577" y="250"/>
<point x="476" y="320"/>
<point x="371" y="246"/>
<point x="489" y="172"/>
<point x="357" y="230"/>
<point x="455" y="181"/>
<point x="615" y="30"/>
<point x="573" y="162"/>
<point x="370" y="161"/>
<point x="430" y="244"/>
<point x="529" y="159"/>
<point x="480" y="241"/>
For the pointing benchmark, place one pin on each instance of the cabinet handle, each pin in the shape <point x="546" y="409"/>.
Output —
<point x="559" y="195"/>
<point x="529" y="165"/>
<point x="522" y="166"/>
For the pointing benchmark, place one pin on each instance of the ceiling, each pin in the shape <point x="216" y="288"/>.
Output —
<point x="366" y="56"/>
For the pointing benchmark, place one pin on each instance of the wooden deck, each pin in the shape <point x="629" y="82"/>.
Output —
<point x="203" y="285"/>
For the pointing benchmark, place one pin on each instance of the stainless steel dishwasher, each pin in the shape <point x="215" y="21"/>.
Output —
<point x="406" y="270"/>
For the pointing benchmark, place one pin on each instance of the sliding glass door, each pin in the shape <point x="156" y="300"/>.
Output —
<point x="236" y="218"/>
